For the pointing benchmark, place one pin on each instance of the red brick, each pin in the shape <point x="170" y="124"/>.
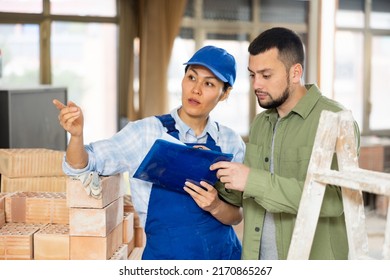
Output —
<point x="95" y="222"/>
<point x="140" y="237"/>
<point x="16" y="241"/>
<point x="129" y="207"/>
<point x="136" y="254"/>
<point x="2" y="208"/>
<point x="96" y="247"/>
<point x="372" y="158"/>
<point x="128" y="227"/>
<point x="31" y="162"/>
<point x="130" y="246"/>
<point x="121" y="253"/>
<point x="33" y="184"/>
<point x="52" y="243"/>
<point x="78" y="197"/>
<point x="37" y="207"/>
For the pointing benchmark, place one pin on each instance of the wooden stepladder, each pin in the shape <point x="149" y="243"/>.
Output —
<point x="336" y="134"/>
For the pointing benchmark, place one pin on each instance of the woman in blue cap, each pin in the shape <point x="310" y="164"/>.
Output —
<point x="195" y="224"/>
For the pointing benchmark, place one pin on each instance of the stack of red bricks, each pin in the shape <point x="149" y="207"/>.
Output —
<point x="96" y="225"/>
<point x="67" y="225"/>
<point x="34" y="170"/>
<point x="137" y="244"/>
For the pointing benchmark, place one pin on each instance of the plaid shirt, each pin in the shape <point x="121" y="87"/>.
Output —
<point x="125" y="151"/>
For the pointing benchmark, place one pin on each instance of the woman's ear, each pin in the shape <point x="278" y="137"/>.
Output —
<point x="225" y="94"/>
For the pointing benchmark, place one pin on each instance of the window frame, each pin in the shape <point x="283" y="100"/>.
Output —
<point x="368" y="34"/>
<point x="202" y="26"/>
<point x="45" y="20"/>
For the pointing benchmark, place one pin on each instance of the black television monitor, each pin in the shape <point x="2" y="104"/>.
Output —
<point x="29" y="119"/>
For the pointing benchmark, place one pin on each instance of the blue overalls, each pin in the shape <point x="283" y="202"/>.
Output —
<point x="177" y="228"/>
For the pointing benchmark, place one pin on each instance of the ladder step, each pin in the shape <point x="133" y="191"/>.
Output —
<point x="357" y="179"/>
<point x="336" y="135"/>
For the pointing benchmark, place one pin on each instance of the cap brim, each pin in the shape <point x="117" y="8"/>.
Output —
<point x="213" y="70"/>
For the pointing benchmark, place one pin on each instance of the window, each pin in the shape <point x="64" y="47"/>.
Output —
<point x="19" y="45"/>
<point x="283" y="11"/>
<point x="83" y="54"/>
<point x="238" y="101"/>
<point x="230" y="10"/>
<point x="380" y="83"/>
<point x="350" y="14"/>
<point x="84" y="60"/>
<point x="348" y="77"/>
<point x="231" y="25"/>
<point x="380" y="15"/>
<point x="362" y="60"/>
<point x="83" y="8"/>
<point x="183" y="49"/>
<point x="21" y="6"/>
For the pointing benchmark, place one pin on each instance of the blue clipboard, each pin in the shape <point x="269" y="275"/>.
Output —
<point x="170" y="165"/>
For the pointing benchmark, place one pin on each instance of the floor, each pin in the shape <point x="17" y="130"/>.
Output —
<point x="376" y="225"/>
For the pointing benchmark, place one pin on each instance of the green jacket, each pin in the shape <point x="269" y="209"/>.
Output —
<point x="280" y="193"/>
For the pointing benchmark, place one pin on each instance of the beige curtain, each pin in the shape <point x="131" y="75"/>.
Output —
<point x="128" y="30"/>
<point x="159" y="22"/>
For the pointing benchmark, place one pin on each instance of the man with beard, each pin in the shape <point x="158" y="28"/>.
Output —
<point x="278" y="153"/>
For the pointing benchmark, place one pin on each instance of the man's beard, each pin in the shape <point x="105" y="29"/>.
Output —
<point x="275" y="103"/>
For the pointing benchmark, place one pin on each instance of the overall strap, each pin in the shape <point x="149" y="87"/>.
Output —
<point x="169" y="123"/>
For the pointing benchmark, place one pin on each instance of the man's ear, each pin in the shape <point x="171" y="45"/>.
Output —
<point x="296" y="72"/>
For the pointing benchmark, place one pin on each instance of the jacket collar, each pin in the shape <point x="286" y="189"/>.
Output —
<point x="303" y="107"/>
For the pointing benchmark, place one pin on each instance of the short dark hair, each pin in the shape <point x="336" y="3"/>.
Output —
<point x="286" y="41"/>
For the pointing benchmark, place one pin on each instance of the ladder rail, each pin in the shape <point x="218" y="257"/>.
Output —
<point x="313" y="191"/>
<point x="350" y="178"/>
<point x="347" y="158"/>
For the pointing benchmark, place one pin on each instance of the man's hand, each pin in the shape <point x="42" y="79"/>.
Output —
<point x="234" y="175"/>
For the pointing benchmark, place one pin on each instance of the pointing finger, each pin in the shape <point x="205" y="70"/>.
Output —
<point x="58" y="104"/>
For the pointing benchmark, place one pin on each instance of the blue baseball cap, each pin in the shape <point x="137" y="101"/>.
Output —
<point x="221" y="63"/>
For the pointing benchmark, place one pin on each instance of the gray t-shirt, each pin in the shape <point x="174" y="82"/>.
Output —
<point x="268" y="249"/>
